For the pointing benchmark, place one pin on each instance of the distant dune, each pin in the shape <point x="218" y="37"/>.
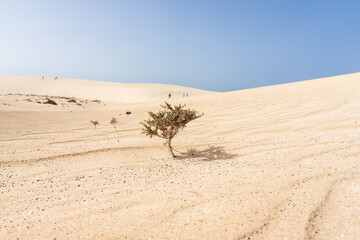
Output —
<point x="277" y="162"/>
<point x="104" y="91"/>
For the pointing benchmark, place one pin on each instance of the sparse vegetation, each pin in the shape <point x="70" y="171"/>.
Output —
<point x="113" y="122"/>
<point x="95" y="123"/>
<point x="54" y="100"/>
<point x="167" y="123"/>
<point x="49" y="101"/>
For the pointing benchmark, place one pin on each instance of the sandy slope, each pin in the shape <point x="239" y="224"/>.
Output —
<point x="279" y="162"/>
<point x="110" y="93"/>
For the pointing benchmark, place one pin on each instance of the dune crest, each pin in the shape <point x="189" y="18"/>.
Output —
<point x="113" y="93"/>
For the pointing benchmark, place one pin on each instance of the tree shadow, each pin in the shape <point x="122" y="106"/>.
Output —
<point x="209" y="154"/>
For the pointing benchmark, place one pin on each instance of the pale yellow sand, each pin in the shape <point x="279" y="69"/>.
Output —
<point x="279" y="162"/>
<point x="109" y="93"/>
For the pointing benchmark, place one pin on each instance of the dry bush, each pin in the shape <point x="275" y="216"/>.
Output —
<point x="113" y="122"/>
<point x="95" y="123"/>
<point x="167" y="123"/>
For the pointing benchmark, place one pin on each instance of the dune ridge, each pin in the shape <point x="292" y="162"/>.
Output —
<point x="105" y="91"/>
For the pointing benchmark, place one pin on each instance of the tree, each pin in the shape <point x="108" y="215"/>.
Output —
<point x="95" y="123"/>
<point x="113" y="122"/>
<point x="167" y="123"/>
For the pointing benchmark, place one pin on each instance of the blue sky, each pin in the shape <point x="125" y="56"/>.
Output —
<point x="213" y="45"/>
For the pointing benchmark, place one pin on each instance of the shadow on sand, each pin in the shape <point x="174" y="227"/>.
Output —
<point x="209" y="154"/>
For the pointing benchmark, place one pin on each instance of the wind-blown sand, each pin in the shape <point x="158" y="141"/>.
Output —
<point x="278" y="162"/>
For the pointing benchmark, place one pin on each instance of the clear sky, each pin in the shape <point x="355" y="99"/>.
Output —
<point x="214" y="45"/>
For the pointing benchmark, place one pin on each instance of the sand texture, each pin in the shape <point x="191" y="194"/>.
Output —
<point x="278" y="162"/>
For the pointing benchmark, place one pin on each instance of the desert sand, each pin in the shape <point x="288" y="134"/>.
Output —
<point x="277" y="162"/>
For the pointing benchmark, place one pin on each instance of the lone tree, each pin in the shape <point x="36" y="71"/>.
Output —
<point x="113" y="122"/>
<point x="95" y="123"/>
<point x="167" y="123"/>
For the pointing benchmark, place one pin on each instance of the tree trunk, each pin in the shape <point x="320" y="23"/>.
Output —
<point x="170" y="148"/>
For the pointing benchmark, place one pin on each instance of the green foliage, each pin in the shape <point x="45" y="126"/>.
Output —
<point x="167" y="123"/>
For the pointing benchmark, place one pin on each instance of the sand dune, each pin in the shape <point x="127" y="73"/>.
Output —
<point x="111" y="93"/>
<point x="278" y="162"/>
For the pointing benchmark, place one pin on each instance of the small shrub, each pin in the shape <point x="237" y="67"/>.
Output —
<point x="49" y="101"/>
<point x="167" y="123"/>
<point x="113" y="122"/>
<point x="95" y="123"/>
